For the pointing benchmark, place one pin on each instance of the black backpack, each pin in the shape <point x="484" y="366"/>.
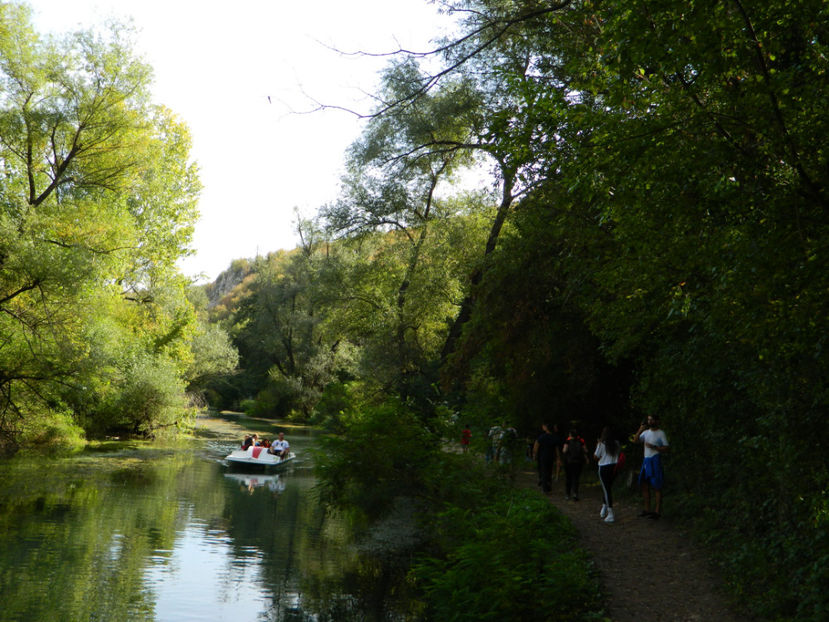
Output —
<point x="575" y="452"/>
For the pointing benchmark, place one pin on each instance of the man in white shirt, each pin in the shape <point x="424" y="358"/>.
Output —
<point x="651" y="477"/>
<point x="280" y="446"/>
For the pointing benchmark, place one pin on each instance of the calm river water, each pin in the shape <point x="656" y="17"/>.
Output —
<point x="149" y="532"/>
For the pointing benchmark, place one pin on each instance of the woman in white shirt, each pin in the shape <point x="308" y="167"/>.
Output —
<point x="607" y="455"/>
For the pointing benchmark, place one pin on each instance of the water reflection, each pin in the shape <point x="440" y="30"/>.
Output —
<point x="169" y="533"/>
<point x="251" y="481"/>
<point x="203" y="579"/>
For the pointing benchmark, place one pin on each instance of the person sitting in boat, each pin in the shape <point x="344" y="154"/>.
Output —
<point x="266" y="443"/>
<point x="280" y="447"/>
<point x="247" y="442"/>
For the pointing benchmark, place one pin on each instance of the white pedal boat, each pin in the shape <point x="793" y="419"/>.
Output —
<point x="258" y="456"/>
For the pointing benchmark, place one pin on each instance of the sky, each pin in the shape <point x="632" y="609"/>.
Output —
<point x="243" y="75"/>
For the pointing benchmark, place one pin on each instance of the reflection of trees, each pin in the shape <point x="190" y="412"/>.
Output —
<point x="342" y="581"/>
<point x="364" y="588"/>
<point x="76" y="540"/>
<point x="273" y="525"/>
<point x="308" y="561"/>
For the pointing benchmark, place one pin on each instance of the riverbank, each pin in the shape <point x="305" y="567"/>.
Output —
<point x="227" y="425"/>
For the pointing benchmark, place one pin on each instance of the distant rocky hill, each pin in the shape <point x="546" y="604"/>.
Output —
<point x="227" y="280"/>
<point x="231" y="283"/>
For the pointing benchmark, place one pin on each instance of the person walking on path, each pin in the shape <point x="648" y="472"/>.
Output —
<point x="575" y="457"/>
<point x="466" y="435"/>
<point x="546" y="454"/>
<point x="607" y="455"/>
<point x="493" y="448"/>
<point x="651" y="476"/>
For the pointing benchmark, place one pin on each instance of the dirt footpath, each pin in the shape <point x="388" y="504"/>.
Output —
<point x="650" y="571"/>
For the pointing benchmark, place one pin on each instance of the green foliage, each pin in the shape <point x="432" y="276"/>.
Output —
<point x="513" y="557"/>
<point x="487" y="550"/>
<point x="249" y="407"/>
<point x="668" y="247"/>
<point x="97" y="203"/>
<point x="383" y="454"/>
<point x="337" y="405"/>
<point x="134" y="394"/>
<point x="280" y="326"/>
<point x="213" y="354"/>
<point x="527" y="354"/>
<point x="332" y="311"/>
<point x="396" y="172"/>
<point x="53" y="433"/>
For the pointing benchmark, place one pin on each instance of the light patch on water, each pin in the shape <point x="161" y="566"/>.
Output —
<point x="205" y="578"/>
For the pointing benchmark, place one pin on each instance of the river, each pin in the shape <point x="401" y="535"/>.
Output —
<point x="140" y="531"/>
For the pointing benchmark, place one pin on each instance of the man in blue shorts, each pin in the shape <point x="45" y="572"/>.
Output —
<point x="651" y="477"/>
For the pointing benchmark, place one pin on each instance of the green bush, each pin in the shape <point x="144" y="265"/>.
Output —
<point x="248" y="407"/>
<point x="52" y="432"/>
<point x="515" y="558"/>
<point x="485" y="550"/>
<point x="336" y="405"/>
<point x="146" y="397"/>
<point x="380" y="456"/>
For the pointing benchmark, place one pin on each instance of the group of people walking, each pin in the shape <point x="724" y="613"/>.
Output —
<point x="552" y="450"/>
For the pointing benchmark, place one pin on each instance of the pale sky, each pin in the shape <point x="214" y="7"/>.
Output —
<point x="216" y="64"/>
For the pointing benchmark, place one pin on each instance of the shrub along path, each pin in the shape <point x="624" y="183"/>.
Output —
<point x="649" y="569"/>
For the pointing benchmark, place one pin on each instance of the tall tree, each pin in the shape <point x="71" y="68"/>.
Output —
<point x="683" y="174"/>
<point x="501" y="107"/>
<point x="97" y="201"/>
<point x="288" y="354"/>
<point x="397" y="170"/>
